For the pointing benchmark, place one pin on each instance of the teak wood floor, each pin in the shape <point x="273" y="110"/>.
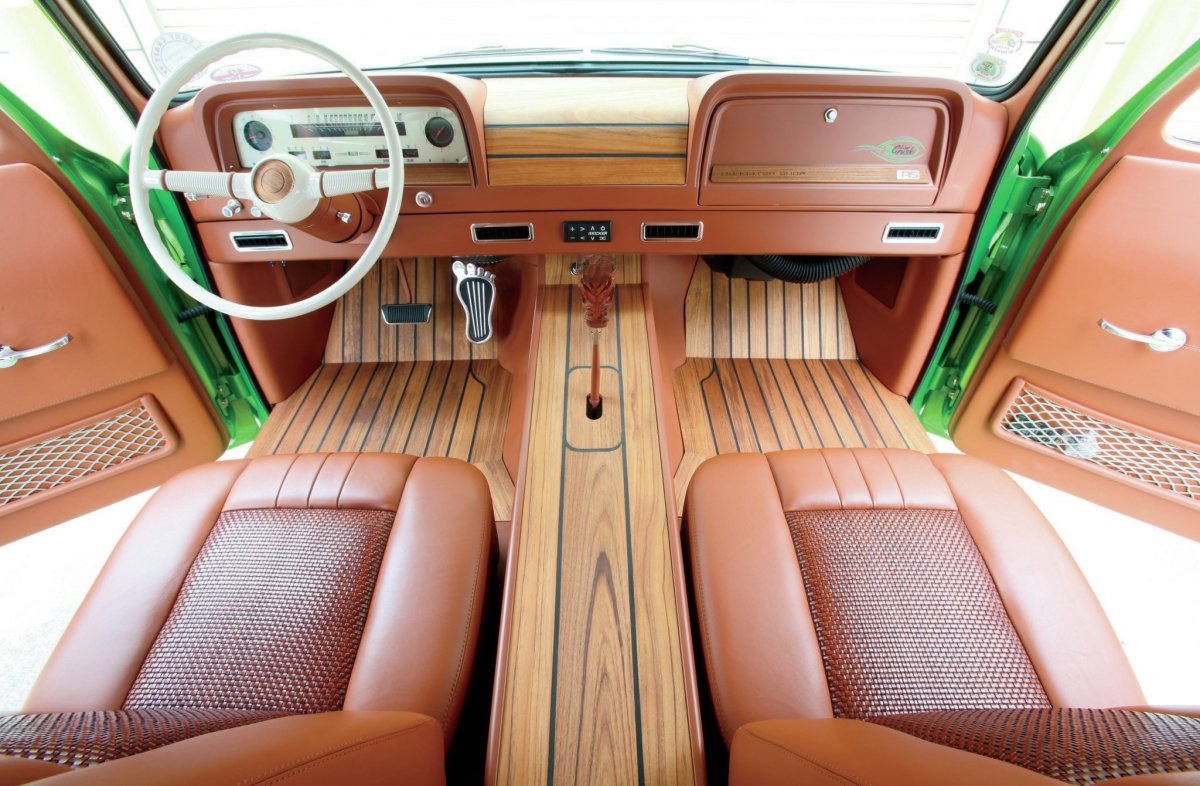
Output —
<point x="453" y="408"/>
<point x="773" y="366"/>
<point x="594" y="685"/>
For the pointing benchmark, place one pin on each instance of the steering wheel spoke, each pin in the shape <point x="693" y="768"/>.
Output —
<point x="352" y="181"/>
<point x="214" y="184"/>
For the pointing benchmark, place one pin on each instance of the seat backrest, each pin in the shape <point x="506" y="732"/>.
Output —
<point x="858" y="583"/>
<point x="287" y="584"/>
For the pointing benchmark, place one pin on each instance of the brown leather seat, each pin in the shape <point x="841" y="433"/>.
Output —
<point x="887" y="617"/>
<point x="307" y="617"/>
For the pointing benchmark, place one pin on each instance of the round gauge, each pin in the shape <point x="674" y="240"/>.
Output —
<point x="258" y="135"/>
<point x="439" y="131"/>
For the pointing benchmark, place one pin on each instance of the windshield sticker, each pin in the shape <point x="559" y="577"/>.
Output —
<point x="170" y="50"/>
<point x="987" y="67"/>
<point x="896" y="151"/>
<point x="235" y="72"/>
<point x="1005" y="41"/>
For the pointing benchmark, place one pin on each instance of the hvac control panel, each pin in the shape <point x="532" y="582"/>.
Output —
<point x="587" y="231"/>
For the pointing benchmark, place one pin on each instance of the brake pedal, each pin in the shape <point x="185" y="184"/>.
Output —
<point x="406" y="313"/>
<point x="476" y="290"/>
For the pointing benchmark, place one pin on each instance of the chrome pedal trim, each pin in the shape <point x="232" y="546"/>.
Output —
<point x="475" y="288"/>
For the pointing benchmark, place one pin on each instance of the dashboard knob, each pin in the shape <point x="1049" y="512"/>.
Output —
<point x="831" y="114"/>
<point x="232" y="208"/>
<point x="424" y="199"/>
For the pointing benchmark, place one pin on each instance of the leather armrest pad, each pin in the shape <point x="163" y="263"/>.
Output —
<point x="837" y="751"/>
<point x="333" y="747"/>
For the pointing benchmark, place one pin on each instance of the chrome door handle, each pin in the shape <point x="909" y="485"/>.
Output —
<point x="10" y="356"/>
<point x="1166" y="339"/>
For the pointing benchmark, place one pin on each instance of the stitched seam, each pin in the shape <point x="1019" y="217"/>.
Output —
<point x="313" y="484"/>
<point x="283" y="482"/>
<point x="899" y="486"/>
<point x="337" y="501"/>
<point x="815" y="762"/>
<point x="296" y="766"/>
<point x="833" y="479"/>
<point x="866" y="481"/>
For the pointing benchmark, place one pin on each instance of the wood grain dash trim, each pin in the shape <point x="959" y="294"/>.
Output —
<point x="581" y="139"/>
<point x="578" y="171"/>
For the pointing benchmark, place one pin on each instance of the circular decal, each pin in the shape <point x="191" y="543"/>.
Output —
<point x="1005" y="41"/>
<point x="170" y="50"/>
<point x="235" y="72"/>
<point x="987" y="68"/>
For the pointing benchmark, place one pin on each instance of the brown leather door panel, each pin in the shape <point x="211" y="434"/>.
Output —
<point x="113" y="412"/>
<point x="1131" y="256"/>
<point x="1064" y="402"/>
<point x="57" y="280"/>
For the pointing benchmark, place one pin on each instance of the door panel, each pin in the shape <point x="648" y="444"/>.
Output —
<point x="57" y="276"/>
<point x="113" y="412"/>
<point x="1130" y="256"/>
<point x="1064" y="402"/>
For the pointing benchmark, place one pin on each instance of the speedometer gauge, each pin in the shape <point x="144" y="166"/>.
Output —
<point x="258" y="135"/>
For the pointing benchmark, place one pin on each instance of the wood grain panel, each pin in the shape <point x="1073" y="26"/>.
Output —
<point x="594" y="686"/>
<point x="578" y="171"/>
<point x="443" y="408"/>
<point x="558" y="269"/>
<point x="576" y="139"/>
<point x="735" y="318"/>
<point x="437" y="174"/>
<point x="768" y="173"/>
<point x="359" y="335"/>
<point x="760" y="405"/>
<point x="586" y="101"/>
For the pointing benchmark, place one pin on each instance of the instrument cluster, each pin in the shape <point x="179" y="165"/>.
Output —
<point x="349" y="136"/>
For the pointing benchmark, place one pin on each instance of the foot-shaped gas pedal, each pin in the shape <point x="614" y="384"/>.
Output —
<point x="476" y="290"/>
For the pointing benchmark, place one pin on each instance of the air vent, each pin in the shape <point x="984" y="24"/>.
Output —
<point x="501" y="233"/>
<point x="912" y="233"/>
<point x="274" y="240"/>
<point x="691" y="230"/>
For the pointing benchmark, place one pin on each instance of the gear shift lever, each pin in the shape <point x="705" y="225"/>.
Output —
<point x="596" y="286"/>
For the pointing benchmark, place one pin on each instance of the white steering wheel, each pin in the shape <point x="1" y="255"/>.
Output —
<point x="283" y="187"/>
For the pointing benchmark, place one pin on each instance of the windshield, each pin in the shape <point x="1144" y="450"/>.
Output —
<point x="982" y="42"/>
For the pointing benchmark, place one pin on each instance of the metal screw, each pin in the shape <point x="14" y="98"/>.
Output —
<point x="831" y="115"/>
<point x="424" y="199"/>
<point x="232" y="208"/>
<point x="344" y="217"/>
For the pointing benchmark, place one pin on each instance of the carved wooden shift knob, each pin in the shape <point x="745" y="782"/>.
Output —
<point x="596" y="286"/>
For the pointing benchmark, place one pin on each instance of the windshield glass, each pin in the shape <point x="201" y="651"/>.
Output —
<point x="982" y="42"/>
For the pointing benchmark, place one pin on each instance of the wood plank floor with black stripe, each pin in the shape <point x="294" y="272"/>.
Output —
<point x="401" y="388"/>
<point x="773" y="366"/>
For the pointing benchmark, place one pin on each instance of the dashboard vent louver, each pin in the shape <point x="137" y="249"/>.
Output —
<point x="691" y="230"/>
<point x="912" y="233"/>
<point x="274" y="240"/>
<point x="501" y="233"/>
